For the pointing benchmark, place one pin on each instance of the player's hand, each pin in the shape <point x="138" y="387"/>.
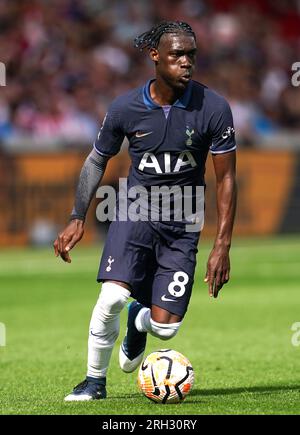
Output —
<point x="68" y="238"/>
<point x="218" y="269"/>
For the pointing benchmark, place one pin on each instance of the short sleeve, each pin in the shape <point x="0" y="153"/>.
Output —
<point x="222" y="129"/>
<point x="111" y="134"/>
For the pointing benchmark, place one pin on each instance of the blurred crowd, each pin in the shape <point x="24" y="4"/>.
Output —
<point x="67" y="59"/>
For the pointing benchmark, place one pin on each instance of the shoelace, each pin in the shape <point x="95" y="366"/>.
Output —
<point x="82" y="385"/>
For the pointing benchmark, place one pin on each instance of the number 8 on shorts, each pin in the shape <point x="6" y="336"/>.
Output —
<point x="180" y="279"/>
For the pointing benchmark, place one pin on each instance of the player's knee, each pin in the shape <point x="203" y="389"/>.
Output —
<point x="113" y="298"/>
<point x="164" y="331"/>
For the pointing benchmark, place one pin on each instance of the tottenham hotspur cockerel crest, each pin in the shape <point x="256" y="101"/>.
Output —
<point x="189" y="132"/>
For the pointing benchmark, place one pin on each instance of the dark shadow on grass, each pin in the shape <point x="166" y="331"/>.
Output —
<point x="256" y="389"/>
<point x="197" y="394"/>
<point x="126" y="396"/>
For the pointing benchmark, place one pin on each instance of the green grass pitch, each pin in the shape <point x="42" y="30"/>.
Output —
<point x="240" y="344"/>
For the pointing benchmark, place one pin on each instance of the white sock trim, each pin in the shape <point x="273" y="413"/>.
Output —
<point x="164" y="331"/>
<point x="165" y="325"/>
<point x="144" y="323"/>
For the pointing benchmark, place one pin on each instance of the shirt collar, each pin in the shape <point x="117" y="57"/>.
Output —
<point x="182" y="102"/>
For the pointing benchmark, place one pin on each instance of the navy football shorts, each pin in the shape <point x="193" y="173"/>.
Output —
<point x="156" y="259"/>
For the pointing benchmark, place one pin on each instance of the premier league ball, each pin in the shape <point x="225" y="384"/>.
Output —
<point x="166" y="376"/>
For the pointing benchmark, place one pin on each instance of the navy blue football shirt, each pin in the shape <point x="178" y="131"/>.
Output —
<point x="168" y="145"/>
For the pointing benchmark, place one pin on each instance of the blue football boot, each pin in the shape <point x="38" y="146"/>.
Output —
<point x="89" y="389"/>
<point x="134" y="344"/>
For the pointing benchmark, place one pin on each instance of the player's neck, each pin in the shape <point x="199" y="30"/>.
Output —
<point x="162" y="94"/>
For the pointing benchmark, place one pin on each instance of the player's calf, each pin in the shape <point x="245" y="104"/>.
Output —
<point x="104" y="327"/>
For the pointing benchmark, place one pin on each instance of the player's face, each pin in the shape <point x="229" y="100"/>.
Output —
<point x="175" y="59"/>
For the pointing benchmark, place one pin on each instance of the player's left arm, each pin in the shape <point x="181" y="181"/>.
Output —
<point x="218" y="265"/>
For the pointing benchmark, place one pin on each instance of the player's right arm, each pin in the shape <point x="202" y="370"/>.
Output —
<point x="108" y="144"/>
<point x="90" y="176"/>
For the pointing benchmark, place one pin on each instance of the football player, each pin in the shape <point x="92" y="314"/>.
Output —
<point x="171" y="123"/>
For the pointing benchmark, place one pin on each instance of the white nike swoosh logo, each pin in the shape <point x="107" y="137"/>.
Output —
<point x="165" y="299"/>
<point x="138" y="134"/>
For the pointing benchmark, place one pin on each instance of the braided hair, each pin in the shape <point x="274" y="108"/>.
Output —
<point x="151" y="38"/>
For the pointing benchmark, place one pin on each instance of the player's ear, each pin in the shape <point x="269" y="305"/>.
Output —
<point x="153" y="53"/>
